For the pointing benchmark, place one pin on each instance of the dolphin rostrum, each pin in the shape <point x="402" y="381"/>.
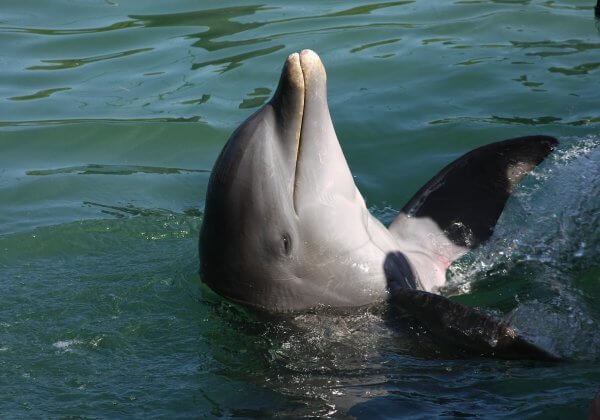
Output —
<point x="285" y="227"/>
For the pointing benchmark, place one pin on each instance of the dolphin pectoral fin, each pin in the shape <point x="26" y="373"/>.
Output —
<point x="466" y="328"/>
<point x="459" y="207"/>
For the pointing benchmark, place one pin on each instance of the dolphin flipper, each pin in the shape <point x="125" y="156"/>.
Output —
<point x="458" y="208"/>
<point x="466" y="328"/>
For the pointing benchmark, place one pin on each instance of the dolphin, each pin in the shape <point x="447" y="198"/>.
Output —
<point x="285" y="228"/>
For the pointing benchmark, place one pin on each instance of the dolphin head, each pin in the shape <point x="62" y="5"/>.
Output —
<point x="284" y="225"/>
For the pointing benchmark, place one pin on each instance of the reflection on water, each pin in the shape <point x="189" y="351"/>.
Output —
<point x="38" y="95"/>
<point x="367" y="9"/>
<point x="219" y="23"/>
<point x="167" y="45"/>
<point x="235" y="61"/>
<point x="198" y="101"/>
<point x="113" y="27"/>
<point x="579" y="69"/>
<point x="574" y="45"/>
<point x="505" y="120"/>
<point x="257" y="98"/>
<point x="374" y="44"/>
<point x="76" y="62"/>
<point x="95" y="169"/>
<point x="131" y="210"/>
<point x="37" y="123"/>
<point x="535" y="86"/>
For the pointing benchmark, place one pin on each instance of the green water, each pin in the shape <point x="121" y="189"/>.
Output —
<point x="111" y="116"/>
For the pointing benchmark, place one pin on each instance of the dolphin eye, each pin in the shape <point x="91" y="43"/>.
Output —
<point x="287" y="243"/>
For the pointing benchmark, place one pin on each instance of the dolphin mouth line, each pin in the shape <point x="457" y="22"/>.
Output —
<point x="299" y="132"/>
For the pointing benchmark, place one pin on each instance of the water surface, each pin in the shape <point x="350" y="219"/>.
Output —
<point x="111" y="116"/>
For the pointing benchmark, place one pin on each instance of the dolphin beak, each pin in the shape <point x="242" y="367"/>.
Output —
<point x="288" y="103"/>
<point x="309" y="146"/>
<point x="303" y="80"/>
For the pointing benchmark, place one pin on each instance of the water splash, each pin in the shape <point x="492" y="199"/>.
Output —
<point x="544" y="254"/>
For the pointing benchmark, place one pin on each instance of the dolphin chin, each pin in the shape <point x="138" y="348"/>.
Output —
<point x="285" y="227"/>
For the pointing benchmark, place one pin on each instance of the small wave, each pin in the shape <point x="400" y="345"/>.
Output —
<point x="39" y="95"/>
<point x="256" y="98"/>
<point x="374" y="44"/>
<point x="571" y="47"/>
<point x="577" y="70"/>
<point x="52" y="122"/>
<point x="66" y="344"/>
<point x="131" y="210"/>
<point x="78" y="62"/>
<point x="232" y="62"/>
<point x="495" y="119"/>
<point x="60" y="32"/>
<point x="96" y="169"/>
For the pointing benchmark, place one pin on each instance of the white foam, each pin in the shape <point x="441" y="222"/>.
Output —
<point x="66" y="344"/>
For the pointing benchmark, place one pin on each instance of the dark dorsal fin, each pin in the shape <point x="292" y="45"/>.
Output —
<point x="466" y="198"/>
<point x="458" y="209"/>
<point x="471" y="330"/>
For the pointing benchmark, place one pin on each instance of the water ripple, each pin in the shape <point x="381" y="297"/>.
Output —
<point x="374" y="44"/>
<point x="235" y="61"/>
<point x="29" y="123"/>
<point x="53" y="32"/>
<point x="573" y="45"/>
<point x="218" y="22"/>
<point x="39" y="95"/>
<point x="57" y="64"/>
<point x="577" y="70"/>
<point x="95" y="169"/>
